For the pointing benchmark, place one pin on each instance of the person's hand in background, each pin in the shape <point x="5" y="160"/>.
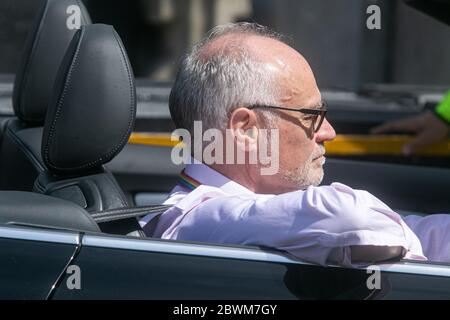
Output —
<point x="427" y="127"/>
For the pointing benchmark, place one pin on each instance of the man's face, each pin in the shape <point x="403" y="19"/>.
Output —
<point x="301" y="151"/>
<point x="301" y="155"/>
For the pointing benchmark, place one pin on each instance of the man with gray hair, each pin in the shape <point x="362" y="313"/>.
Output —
<point x="242" y="80"/>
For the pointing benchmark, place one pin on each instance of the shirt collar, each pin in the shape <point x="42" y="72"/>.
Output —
<point x="208" y="176"/>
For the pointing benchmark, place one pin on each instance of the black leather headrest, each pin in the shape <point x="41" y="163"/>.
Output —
<point x="46" y="44"/>
<point x="92" y="111"/>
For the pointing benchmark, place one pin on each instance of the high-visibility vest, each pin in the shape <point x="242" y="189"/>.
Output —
<point x="442" y="110"/>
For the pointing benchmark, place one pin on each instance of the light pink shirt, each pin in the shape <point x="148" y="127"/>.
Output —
<point x="318" y="224"/>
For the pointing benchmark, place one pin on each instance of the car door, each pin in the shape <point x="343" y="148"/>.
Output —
<point x="126" y="268"/>
<point x="31" y="260"/>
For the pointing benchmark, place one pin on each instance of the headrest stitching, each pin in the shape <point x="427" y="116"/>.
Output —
<point x="82" y="15"/>
<point x="61" y="99"/>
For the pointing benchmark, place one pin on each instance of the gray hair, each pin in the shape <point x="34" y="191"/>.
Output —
<point x="208" y="87"/>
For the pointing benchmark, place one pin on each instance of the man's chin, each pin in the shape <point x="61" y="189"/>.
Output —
<point x="316" y="178"/>
<point x="318" y="182"/>
<point x="296" y="180"/>
<point x="319" y="178"/>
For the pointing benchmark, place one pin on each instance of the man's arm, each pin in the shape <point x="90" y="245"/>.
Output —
<point x="328" y="224"/>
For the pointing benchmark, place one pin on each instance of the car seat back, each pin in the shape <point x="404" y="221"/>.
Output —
<point x="89" y="120"/>
<point x="46" y="44"/>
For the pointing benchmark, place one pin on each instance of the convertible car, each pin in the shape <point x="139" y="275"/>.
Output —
<point x="80" y="161"/>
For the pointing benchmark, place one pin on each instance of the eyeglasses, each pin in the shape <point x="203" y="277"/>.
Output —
<point x="318" y="114"/>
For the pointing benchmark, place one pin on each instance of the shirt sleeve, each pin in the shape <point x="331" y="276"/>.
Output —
<point x="433" y="232"/>
<point x="318" y="224"/>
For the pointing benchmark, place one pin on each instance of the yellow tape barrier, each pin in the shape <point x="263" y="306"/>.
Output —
<point x="342" y="145"/>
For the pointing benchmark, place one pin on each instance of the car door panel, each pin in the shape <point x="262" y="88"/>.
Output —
<point x="163" y="269"/>
<point x="31" y="262"/>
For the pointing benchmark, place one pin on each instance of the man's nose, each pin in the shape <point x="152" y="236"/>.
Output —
<point x="326" y="132"/>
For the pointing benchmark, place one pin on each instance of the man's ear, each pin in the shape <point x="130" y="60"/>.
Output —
<point x="243" y="125"/>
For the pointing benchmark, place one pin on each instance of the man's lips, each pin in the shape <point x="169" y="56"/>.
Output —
<point x="320" y="156"/>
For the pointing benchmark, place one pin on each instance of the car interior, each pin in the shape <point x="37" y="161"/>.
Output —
<point x="46" y="44"/>
<point x="64" y="158"/>
<point x="63" y="135"/>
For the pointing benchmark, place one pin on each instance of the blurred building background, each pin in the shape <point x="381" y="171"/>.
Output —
<point x="410" y="48"/>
